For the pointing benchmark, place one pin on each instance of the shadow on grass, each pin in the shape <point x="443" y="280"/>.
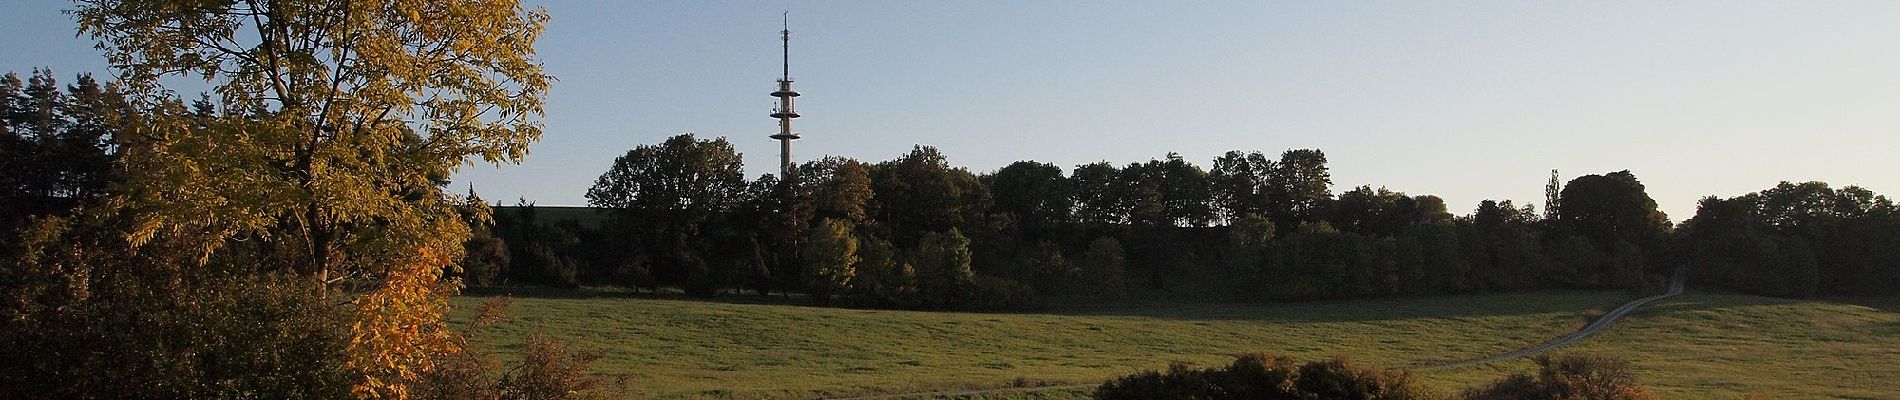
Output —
<point x="1889" y="304"/>
<point x="543" y="292"/>
<point x="1471" y="306"/>
<point x="1706" y="301"/>
<point x="538" y="292"/>
<point x="1379" y="309"/>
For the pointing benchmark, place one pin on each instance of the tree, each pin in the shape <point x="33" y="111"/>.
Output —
<point x="1245" y="251"/>
<point x="1165" y="193"/>
<point x="1797" y="239"/>
<point x="840" y="188"/>
<point x="1316" y="260"/>
<point x="339" y="119"/>
<point x="1552" y="197"/>
<point x="1104" y="269"/>
<point x="1375" y="213"/>
<point x="778" y="213"/>
<point x="56" y="147"/>
<point x="1609" y="208"/>
<point x="1502" y="246"/>
<point x="943" y="268"/>
<point x="663" y="196"/>
<point x="1035" y="193"/>
<point x="1238" y="182"/>
<point x="1093" y="191"/>
<point x="1139" y="186"/>
<point x="832" y="258"/>
<point x="1430" y="209"/>
<point x="486" y="256"/>
<point x="880" y="275"/>
<point x="1299" y="186"/>
<point x="1492" y="215"/>
<point x="1185" y="192"/>
<point x="920" y="193"/>
<point x="672" y="187"/>
<point x="1445" y="266"/>
<point x="1045" y="269"/>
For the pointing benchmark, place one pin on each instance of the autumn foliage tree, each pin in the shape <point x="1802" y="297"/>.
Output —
<point x="335" y="124"/>
<point x="338" y="118"/>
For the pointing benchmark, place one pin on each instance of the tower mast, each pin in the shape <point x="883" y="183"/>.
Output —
<point x="785" y="113"/>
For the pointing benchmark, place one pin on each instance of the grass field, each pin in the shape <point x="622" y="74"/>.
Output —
<point x="1697" y="346"/>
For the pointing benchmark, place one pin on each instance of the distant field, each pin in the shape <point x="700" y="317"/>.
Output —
<point x="1721" y="347"/>
<point x="1699" y="346"/>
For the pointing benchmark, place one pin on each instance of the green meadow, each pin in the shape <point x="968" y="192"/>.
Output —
<point x="1695" y="346"/>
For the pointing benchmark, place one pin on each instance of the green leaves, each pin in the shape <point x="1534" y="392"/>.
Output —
<point x="678" y="183"/>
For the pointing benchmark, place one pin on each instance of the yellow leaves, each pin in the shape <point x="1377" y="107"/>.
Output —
<point x="400" y="327"/>
<point x="337" y="113"/>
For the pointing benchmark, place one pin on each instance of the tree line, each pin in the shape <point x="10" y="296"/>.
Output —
<point x="917" y="232"/>
<point x="1797" y="240"/>
<point x="223" y="271"/>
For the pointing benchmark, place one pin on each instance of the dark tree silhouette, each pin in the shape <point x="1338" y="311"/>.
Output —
<point x="1609" y="208"/>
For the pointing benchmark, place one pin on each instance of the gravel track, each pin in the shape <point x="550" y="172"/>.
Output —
<point x="1675" y="289"/>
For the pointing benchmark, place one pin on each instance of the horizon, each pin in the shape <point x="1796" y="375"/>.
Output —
<point x="1463" y="101"/>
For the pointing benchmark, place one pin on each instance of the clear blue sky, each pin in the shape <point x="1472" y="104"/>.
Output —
<point x="1465" y="100"/>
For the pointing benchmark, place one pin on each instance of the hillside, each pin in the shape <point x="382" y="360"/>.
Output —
<point x="1698" y="346"/>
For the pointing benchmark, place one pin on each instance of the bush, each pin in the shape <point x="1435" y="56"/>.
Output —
<point x="485" y="262"/>
<point x="79" y="324"/>
<point x="1575" y="376"/>
<point x="1256" y="376"/>
<point x="1340" y="379"/>
<point x="548" y="370"/>
<point x="551" y="267"/>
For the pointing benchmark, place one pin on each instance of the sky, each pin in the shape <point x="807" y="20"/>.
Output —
<point x="1466" y="100"/>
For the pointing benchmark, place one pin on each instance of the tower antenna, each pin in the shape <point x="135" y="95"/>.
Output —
<point x="785" y="113"/>
<point x="785" y="38"/>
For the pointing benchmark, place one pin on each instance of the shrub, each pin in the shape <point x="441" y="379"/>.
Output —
<point x="1180" y="382"/>
<point x="485" y="261"/>
<point x="549" y="266"/>
<point x="548" y="370"/>
<point x="1574" y="376"/>
<point x="80" y="324"/>
<point x="1256" y="376"/>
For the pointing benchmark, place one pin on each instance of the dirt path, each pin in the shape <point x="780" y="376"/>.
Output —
<point x="1675" y="289"/>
